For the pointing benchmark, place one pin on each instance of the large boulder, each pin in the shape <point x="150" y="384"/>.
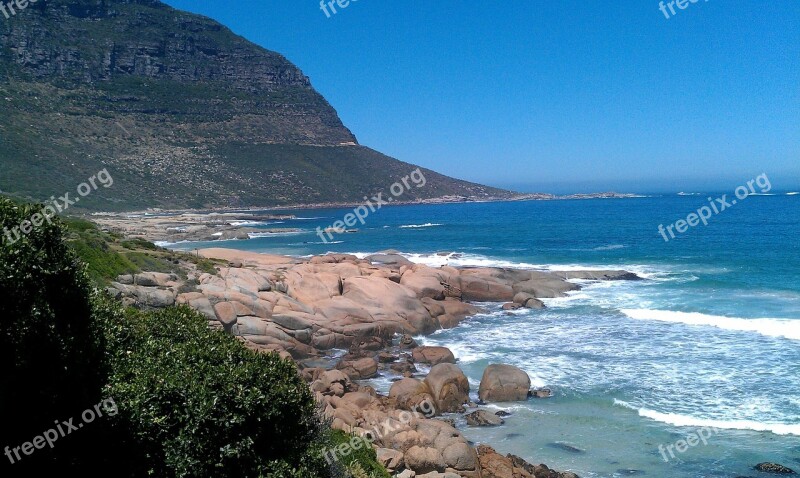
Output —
<point x="433" y="355"/>
<point x="504" y="383"/>
<point x="359" y="369"/>
<point x="449" y="387"/>
<point x="410" y="393"/>
<point x="385" y="295"/>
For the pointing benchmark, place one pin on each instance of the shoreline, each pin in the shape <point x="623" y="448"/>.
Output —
<point x="522" y="197"/>
<point x="370" y="308"/>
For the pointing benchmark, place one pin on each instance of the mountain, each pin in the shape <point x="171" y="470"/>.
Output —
<point x="182" y="113"/>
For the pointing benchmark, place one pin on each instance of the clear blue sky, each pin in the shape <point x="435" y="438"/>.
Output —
<point x="553" y="96"/>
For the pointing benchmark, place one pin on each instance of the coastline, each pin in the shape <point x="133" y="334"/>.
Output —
<point x="313" y="309"/>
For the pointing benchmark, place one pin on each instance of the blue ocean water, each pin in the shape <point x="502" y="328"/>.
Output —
<point x="710" y="339"/>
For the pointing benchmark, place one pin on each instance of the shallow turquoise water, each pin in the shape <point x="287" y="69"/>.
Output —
<point x="710" y="339"/>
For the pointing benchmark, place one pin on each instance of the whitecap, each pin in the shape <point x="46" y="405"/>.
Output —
<point x="417" y="226"/>
<point x="694" y="422"/>
<point x="788" y="328"/>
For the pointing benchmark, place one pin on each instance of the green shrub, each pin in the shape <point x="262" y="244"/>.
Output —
<point x="51" y="348"/>
<point x="198" y="403"/>
<point x="360" y="463"/>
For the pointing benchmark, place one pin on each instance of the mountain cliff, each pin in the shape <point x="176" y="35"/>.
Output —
<point x="180" y="110"/>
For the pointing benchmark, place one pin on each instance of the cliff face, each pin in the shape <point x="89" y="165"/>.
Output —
<point x="181" y="111"/>
<point x="88" y="43"/>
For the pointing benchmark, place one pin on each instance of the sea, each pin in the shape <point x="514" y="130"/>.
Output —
<point x="693" y="372"/>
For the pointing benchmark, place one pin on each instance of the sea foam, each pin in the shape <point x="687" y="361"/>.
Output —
<point x="787" y="328"/>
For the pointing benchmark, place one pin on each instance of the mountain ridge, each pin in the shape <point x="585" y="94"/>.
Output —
<point x="181" y="111"/>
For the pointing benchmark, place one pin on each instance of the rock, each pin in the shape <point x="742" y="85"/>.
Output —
<point x="406" y="474"/>
<point x="504" y="383"/>
<point x="545" y="285"/>
<point x="433" y="355"/>
<point x="540" y="393"/>
<point x="449" y="387"/>
<point x="774" y="468"/>
<point x="226" y="314"/>
<point x="410" y="393"/>
<point x="485" y="289"/>
<point x="408" y="342"/>
<point x="502" y="413"/>
<point x="511" y="306"/>
<point x="391" y="459"/>
<point x="495" y="465"/>
<point x="425" y="281"/>
<point x="425" y="460"/>
<point x="386" y="357"/>
<point x="153" y="279"/>
<point x="389" y="259"/>
<point x="332" y="382"/>
<point x="527" y="300"/>
<point x="482" y="418"/>
<point x="597" y="275"/>
<point x="359" y="369"/>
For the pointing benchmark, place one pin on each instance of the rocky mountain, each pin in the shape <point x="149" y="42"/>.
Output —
<point x="180" y="110"/>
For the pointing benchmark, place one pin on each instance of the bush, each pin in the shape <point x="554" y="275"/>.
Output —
<point x="51" y="348"/>
<point x="361" y="463"/>
<point x="191" y="402"/>
<point x="199" y="403"/>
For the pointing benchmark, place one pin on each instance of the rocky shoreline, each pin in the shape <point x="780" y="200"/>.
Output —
<point x="311" y="310"/>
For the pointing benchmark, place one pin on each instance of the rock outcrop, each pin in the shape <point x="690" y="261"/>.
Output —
<point x="504" y="383"/>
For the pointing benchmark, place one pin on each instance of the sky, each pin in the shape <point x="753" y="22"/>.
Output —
<point x="566" y="96"/>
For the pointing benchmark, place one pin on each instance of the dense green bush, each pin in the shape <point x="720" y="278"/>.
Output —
<point x="198" y="403"/>
<point x="51" y="347"/>
<point x="191" y="402"/>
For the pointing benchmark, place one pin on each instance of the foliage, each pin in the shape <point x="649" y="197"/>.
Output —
<point x="198" y="403"/>
<point x="51" y="346"/>
<point x="361" y="463"/>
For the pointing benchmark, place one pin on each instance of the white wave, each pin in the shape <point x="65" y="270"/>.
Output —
<point x="255" y="235"/>
<point x="307" y="218"/>
<point x="318" y="243"/>
<point x="417" y="226"/>
<point x="253" y="223"/>
<point x="687" y="421"/>
<point x="610" y="247"/>
<point x="788" y="328"/>
<point x="689" y="194"/>
<point x="793" y="194"/>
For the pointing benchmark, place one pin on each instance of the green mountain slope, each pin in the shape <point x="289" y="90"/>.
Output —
<point x="181" y="111"/>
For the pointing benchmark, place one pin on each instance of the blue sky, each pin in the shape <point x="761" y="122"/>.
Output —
<point x="565" y="96"/>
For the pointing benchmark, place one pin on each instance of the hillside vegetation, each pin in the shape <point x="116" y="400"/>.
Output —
<point x="182" y="112"/>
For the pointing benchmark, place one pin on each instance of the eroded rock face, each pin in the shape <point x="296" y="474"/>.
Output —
<point x="504" y="383"/>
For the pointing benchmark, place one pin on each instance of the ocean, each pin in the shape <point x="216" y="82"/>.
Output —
<point x="705" y="350"/>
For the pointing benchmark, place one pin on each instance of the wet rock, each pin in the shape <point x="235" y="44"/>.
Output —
<point x="482" y="418"/>
<point x="774" y="468"/>
<point x="504" y="383"/>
